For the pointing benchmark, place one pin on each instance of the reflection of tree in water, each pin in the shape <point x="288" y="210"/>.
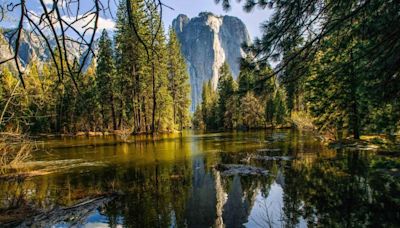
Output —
<point x="155" y="196"/>
<point x="149" y="193"/>
<point x="337" y="193"/>
<point x="291" y="197"/>
<point x="201" y="210"/>
<point x="326" y="191"/>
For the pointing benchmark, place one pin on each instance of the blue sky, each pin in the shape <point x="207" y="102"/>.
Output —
<point x="191" y="8"/>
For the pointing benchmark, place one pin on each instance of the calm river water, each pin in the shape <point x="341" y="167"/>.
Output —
<point x="170" y="181"/>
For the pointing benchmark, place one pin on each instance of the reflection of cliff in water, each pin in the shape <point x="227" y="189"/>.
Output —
<point x="200" y="210"/>
<point x="217" y="201"/>
<point x="172" y="183"/>
<point x="237" y="207"/>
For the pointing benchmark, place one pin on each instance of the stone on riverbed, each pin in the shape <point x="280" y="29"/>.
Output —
<point x="242" y="170"/>
<point x="266" y="158"/>
<point x="272" y="158"/>
<point x="268" y="150"/>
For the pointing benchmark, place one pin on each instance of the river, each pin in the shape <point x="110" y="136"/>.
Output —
<point x="170" y="181"/>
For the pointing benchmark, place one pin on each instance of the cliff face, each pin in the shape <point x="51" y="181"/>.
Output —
<point x="33" y="48"/>
<point x="207" y="41"/>
<point x="6" y="52"/>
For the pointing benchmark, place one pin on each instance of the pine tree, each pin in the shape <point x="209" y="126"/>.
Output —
<point x="246" y="81"/>
<point x="335" y="96"/>
<point x="293" y="80"/>
<point x="133" y="70"/>
<point x="88" y="106"/>
<point x="252" y="112"/>
<point x="232" y="113"/>
<point x="209" y="106"/>
<point x="39" y="95"/>
<point x="198" y="119"/>
<point x="344" y="74"/>
<point x="105" y="80"/>
<point x="178" y="78"/>
<point x="226" y="88"/>
<point x="159" y="71"/>
<point x="280" y="107"/>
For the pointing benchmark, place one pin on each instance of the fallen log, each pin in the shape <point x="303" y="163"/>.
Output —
<point x="75" y="215"/>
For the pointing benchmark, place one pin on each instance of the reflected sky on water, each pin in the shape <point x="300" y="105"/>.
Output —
<point x="170" y="181"/>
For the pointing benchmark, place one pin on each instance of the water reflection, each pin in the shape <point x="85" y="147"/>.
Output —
<point x="170" y="182"/>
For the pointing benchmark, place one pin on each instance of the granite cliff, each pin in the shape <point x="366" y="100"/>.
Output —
<point x="207" y="41"/>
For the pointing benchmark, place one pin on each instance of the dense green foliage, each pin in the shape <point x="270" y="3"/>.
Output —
<point x="178" y="83"/>
<point x="132" y="87"/>
<point x="242" y="104"/>
<point x="339" y="61"/>
<point x="339" y="64"/>
<point x="105" y="77"/>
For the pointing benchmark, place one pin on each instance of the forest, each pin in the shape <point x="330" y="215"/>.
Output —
<point x="101" y="130"/>
<point x="124" y="90"/>
<point x="242" y="104"/>
<point x="341" y="75"/>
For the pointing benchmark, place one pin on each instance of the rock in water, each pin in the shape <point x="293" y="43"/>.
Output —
<point x="207" y="41"/>
<point x="241" y="170"/>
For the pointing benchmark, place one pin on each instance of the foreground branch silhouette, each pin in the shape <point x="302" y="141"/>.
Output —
<point x="67" y="21"/>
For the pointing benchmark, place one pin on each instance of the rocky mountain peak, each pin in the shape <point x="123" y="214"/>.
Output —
<point x="180" y="22"/>
<point x="207" y="41"/>
<point x="33" y="48"/>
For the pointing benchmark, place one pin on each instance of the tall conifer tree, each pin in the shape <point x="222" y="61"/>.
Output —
<point x="105" y="80"/>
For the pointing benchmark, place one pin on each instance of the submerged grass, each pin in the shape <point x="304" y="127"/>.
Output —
<point x="15" y="150"/>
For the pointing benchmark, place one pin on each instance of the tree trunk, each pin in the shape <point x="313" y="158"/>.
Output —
<point x="113" y="113"/>
<point x="145" y="114"/>
<point x="120" y="115"/>
<point x="103" y="118"/>
<point x="354" y="107"/>
<point x="154" y="97"/>
<point x="135" y="113"/>
<point x="356" y="127"/>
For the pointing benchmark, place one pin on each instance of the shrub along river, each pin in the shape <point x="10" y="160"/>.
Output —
<point x="252" y="179"/>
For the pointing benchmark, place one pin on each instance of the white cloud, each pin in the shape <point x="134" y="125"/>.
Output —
<point x="80" y="24"/>
<point x="51" y="2"/>
<point x="106" y="23"/>
<point x="48" y="2"/>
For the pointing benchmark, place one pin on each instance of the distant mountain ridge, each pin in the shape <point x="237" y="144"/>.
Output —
<point x="207" y="41"/>
<point x="33" y="48"/>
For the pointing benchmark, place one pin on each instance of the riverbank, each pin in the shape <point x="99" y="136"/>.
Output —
<point x="372" y="142"/>
<point x="122" y="133"/>
<point x="379" y="143"/>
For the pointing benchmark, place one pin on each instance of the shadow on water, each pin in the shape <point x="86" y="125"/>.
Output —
<point x="171" y="182"/>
